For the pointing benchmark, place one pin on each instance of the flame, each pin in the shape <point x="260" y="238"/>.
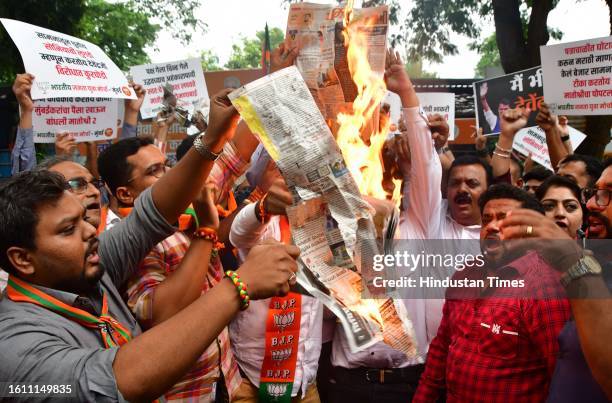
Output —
<point x="368" y="308"/>
<point x="363" y="161"/>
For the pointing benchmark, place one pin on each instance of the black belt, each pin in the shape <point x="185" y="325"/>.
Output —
<point x="409" y="374"/>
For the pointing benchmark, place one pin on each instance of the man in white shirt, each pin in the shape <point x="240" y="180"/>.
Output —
<point x="248" y="330"/>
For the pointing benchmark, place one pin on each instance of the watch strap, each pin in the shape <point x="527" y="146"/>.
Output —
<point x="203" y="150"/>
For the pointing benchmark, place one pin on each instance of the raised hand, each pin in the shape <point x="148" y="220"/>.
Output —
<point x="222" y="120"/>
<point x="484" y="89"/>
<point x="439" y="129"/>
<point x="513" y="120"/>
<point x="65" y="144"/>
<point x="21" y="89"/>
<point x="282" y="57"/>
<point x="397" y="79"/>
<point x="546" y="119"/>
<point x="278" y="199"/>
<point x="134" y="105"/>
<point x="480" y="140"/>
<point x="269" y="269"/>
<point x="206" y="208"/>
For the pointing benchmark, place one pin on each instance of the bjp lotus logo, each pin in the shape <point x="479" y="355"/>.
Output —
<point x="277" y="390"/>
<point x="282" y="354"/>
<point x="284" y="320"/>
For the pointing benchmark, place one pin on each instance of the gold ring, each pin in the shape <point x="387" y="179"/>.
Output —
<point x="292" y="277"/>
<point x="529" y="230"/>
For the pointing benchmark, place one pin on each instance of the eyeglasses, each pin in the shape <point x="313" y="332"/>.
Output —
<point x="602" y="196"/>
<point x="157" y="170"/>
<point x="79" y="185"/>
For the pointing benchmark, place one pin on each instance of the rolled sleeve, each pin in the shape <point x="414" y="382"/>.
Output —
<point x="23" y="156"/>
<point x="227" y="168"/>
<point x="141" y="289"/>
<point x="128" y="131"/>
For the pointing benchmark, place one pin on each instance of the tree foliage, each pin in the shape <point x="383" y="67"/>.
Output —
<point x="59" y="15"/>
<point x="247" y="53"/>
<point x="210" y="61"/>
<point x="176" y="16"/>
<point x="120" y="30"/>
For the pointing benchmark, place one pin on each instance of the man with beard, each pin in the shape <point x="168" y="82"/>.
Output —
<point x="585" y="361"/>
<point x="63" y="322"/>
<point x="498" y="343"/>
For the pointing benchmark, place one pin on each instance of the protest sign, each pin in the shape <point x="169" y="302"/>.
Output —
<point x="578" y="76"/>
<point x="185" y="76"/>
<point x="495" y="95"/>
<point x="86" y="119"/>
<point x="431" y="102"/>
<point x="532" y="140"/>
<point x="442" y="103"/>
<point x="65" y="66"/>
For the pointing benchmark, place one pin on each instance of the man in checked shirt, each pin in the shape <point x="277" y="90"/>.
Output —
<point x="498" y="344"/>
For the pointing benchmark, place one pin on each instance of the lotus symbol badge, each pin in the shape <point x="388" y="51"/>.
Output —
<point x="284" y="320"/>
<point x="277" y="390"/>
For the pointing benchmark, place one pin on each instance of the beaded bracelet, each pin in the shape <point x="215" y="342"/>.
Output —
<point x="241" y="287"/>
<point x="211" y="235"/>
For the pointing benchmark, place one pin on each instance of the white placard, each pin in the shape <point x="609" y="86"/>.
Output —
<point x="442" y="103"/>
<point x="86" y="119"/>
<point x="431" y="102"/>
<point x="578" y="77"/>
<point x="185" y="76"/>
<point x="65" y="66"/>
<point x="532" y="140"/>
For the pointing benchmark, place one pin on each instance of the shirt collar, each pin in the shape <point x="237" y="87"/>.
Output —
<point x="91" y="304"/>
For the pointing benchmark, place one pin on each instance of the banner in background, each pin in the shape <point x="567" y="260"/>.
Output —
<point x="185" y="76"/>
<point x="65" y="66"/>
<point x="578" y="76"/>
<point x="532" y="140"/>
<point x="493" y="96"/>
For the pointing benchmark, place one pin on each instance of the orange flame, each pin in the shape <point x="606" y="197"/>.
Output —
<point x="363" y="161"/>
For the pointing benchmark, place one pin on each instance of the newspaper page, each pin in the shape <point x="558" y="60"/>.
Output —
<point x="330" y="221"/>
<point x="316" y="30"/>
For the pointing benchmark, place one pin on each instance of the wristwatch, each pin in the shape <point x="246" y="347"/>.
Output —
<point x="203" y="150"/>
<point x="586" y="266"/>
<point x="443" y="149"/>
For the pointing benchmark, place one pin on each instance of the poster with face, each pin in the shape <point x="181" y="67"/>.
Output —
<point x="495" y="95"/>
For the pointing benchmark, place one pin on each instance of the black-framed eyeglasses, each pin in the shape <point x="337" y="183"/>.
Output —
<point x="157" y="170"/>
<point x="602" y="196"/>
<point x="79" y="185"/>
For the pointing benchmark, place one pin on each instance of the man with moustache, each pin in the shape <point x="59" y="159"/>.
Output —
<point x="498" y="343"/>
<point x="585" y="355"/>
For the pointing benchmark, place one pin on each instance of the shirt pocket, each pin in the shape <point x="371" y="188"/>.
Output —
<point x="498" y="338"/>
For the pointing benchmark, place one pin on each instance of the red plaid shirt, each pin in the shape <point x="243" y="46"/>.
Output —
<point x="199" y="383"/>
<point x="499" y="348"/>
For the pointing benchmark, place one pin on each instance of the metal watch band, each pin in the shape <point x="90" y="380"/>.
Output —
<point x="580" y="269"/>
<point x="201" y="148"/>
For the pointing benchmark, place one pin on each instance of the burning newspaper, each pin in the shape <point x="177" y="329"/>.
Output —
<point x="330" y="221"/>
<point x="318" y="32"/>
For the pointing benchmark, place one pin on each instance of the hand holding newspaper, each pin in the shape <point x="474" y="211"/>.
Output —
<point x="330" y="221"/>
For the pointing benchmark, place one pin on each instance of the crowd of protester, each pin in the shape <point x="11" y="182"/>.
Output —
<point x="133" y="280"/>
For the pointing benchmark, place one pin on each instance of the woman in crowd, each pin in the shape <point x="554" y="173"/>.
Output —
<point x="560" y="198"/>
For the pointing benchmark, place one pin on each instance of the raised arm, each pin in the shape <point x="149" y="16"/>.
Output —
<point x="512" y="120"/>
<point x="155" y="297"/>
<point x="23" y="156"/>
<point x="177" y="188"/>
<point x="550" y="124"/>
<point x="424" y="196"/>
